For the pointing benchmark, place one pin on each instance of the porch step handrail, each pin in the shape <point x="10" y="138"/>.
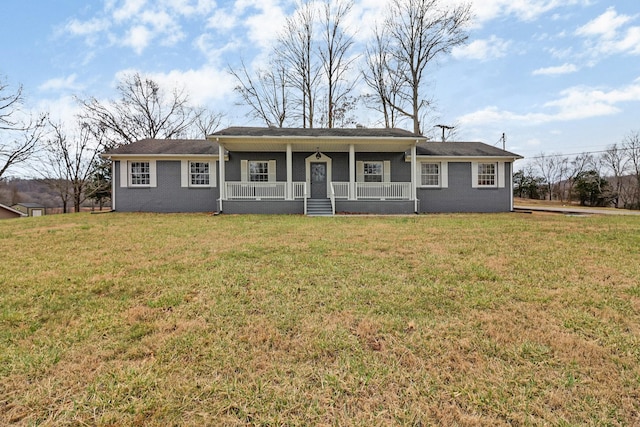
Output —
<point x="332" y="197"/>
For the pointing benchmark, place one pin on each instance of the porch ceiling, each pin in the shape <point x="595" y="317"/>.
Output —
<point x="268" y="144"/>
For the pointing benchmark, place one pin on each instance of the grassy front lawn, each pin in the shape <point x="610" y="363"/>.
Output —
<point x="143" y="319"/>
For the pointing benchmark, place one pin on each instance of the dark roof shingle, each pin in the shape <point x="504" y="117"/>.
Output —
<point x="167" y="146"/>
<point x="461" y="149"/>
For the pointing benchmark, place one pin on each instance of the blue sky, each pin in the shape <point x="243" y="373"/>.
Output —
<point x="557" y="76"/>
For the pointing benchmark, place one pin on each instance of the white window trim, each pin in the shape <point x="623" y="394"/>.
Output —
<point x="443" y="179"/>
<point x="244" y="170"/>
<point x="499" y="179"/>
<point x="386" y="169"/>
<point x="125" y="174"/>
<point x="185" y="173"/>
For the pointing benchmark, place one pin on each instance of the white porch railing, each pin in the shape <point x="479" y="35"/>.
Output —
<point x="338" y="190"/>
<point x="263" y="190"/>
<point x="383" y="190"/>
<point x="374" y="190"/>
<point x="299" y="190"/>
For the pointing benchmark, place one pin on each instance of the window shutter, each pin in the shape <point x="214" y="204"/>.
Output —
<point x="359" y="171"/>
<point x="124" y="173"/>
<point x="474" y="175"/>
<point x="500" y="172"/>
<point x="185" y="172"/>
<point x="386" y="171"/>
<point x="272" y="171"/>
<point x="444" y="174"/>
<point x="153" y="181"/>
<point x="244" y="170"/>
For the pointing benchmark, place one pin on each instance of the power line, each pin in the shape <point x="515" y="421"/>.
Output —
<point x="577" y="154"/>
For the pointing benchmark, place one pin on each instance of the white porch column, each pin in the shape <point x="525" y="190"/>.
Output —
<point x="113" y="183"/>
<point x="352" y="172"/>
<point x="223" y="184"/>
<point x="289" y="191"/>
<point x="414" y="193"/>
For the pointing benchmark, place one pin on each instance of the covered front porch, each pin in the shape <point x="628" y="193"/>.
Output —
<point x="363" y="194"/>
<point x="275" y="174"/>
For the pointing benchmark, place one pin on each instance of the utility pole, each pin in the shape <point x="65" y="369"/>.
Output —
<point x="443" y="127"/>
<point x="504" y="141"/>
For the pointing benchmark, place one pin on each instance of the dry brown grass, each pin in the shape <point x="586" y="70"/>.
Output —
<point x="139" y="319"/>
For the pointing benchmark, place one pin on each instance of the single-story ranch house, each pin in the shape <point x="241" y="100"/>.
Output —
<point x="311" y="171"/>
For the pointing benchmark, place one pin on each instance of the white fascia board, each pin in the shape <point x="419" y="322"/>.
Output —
<point x="213" y="157"/>
<point x="464" y="158"/>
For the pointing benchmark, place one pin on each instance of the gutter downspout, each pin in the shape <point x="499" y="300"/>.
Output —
<point x="511" y="183"/>
<point x="414" y="193"/>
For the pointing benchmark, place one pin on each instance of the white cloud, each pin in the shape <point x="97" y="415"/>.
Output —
<point x="128" y="10"/>
<point x="61" y="83"/>
<point x="62" y="109"/>
<point x="136" y="23"/>
<point x="138" y="38"/>
<point x="525" y="10"/>
<point x="87" y="28"/>
<point x="491" y="48"/>
<point x="551" y="71"/>
<point x="606" y="35"/>
<point x="204" y="86"/>
<point x="605" y="25"/>
<point x="576" y="103"/>
<point x="265" y="26"/>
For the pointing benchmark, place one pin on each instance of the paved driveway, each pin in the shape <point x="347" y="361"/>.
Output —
<point x="576" y="210"/>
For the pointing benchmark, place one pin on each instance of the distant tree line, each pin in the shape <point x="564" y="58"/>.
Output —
<point x="608" y="178"/>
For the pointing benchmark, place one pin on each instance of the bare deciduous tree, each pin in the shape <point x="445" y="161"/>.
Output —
<point x="381" y="79"/>
<point x="419" y="33"/>
<point x="616" y="161"/>
<point x="206" y="122"/>
<point x="631" y="145"/>
<point x="336" y="43"/>
<point x="266" y="94"/>
<point x="553" y="169"/>
<point x="295" y="47"/>
<point x="19" y="132"/>
<point x="143" y="110"/>
<point x="70" y="161"/>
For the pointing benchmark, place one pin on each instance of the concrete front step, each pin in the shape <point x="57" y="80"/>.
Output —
<point x="319" y="207"/>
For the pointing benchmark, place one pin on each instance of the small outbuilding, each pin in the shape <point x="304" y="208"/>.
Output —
<point x="30" y="209"/>
<point x="7" y="212"/>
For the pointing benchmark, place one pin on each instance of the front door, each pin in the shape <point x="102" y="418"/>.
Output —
<point x="318" y="180"/>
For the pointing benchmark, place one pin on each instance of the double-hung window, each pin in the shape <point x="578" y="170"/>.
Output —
<point x="430" y="174"/>
<point x="199" y="175"/>
<point x="140" y="174"/>
<point x="258" y="171"/>
<point x="487" y="173"/>
<point x="373" y="171"/>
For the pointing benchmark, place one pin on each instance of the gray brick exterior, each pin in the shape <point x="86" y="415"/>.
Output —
<point x="168" y="196"/>
<point x="461" y="197"/>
